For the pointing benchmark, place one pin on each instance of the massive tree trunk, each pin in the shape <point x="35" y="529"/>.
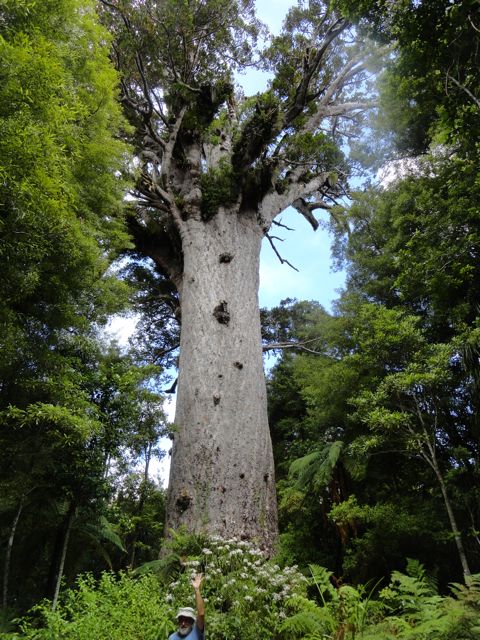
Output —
<point x="222" y="475"/>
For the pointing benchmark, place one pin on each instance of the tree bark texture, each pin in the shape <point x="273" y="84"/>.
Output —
<point x="222" y="475"/>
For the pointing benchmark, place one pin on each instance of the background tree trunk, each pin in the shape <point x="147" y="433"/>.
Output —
<point x="8" y="551"/>
<point x="222" y="475"/>
<point x="453" y="521"/>
<point x="60" y="552"/>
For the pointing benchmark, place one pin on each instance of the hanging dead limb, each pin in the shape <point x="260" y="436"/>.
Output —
<point x="303" y="207"/>
<point x="173" y="388"/>
<point x="280" y="224"/>
<point x="282" y="260"/>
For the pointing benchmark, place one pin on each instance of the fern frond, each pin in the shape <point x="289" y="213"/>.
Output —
<point x="415" y="569"/>
<point x="302" y="624"/>
<point x="164" y="567"/>
<point x="321" y="579"/>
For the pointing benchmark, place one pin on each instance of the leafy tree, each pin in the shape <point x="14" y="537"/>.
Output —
<point x="63" y="464"/>
<point x="417" y="406"/>
<point x="415" y="245"/>
<point x="61" y="224"/>
<point x="356" y="497"/>
<point x="214" y="170"/>
<point x="430" y="88"/>
<point x="138" y="512"/>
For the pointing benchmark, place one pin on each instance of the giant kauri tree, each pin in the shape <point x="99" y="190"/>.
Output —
<point x="214" y="170"/>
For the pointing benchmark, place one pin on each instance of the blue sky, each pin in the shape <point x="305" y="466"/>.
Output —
<point x="307" y="250"/>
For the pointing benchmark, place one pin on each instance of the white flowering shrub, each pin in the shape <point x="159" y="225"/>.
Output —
<point x="245" y="594"/>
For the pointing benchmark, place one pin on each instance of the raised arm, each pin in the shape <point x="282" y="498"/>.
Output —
<point x="199" y="604"/>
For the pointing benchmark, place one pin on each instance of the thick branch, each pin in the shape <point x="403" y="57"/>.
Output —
<point x="172" y="139"/>
<point x="312" y="61"/>
<point x="158" y="240"/>
<point x="274" y="203"/>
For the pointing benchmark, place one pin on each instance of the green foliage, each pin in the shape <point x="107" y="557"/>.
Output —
<point x="380" y="531"/>
<point x="244" y="594"/>
<point x="418" y="612"/>
<point x="58" y="118"/>
<point x="377" y="362"/>
<point x="261" y="126"/>
<point x="316" y="468"/>
<point x="430" y="89"/>
<point x="408" y="608"/>
<point x="61" y="224"/>
<point x="344" y="611"/>
<point x="114" y="608"/>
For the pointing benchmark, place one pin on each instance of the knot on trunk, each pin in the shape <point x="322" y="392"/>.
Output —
<point x="221" y="313"/>
<point x="225" y="258"/>
<point x="183" y="501"/>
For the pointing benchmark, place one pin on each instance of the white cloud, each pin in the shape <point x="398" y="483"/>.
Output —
<point x="121" y="327"/>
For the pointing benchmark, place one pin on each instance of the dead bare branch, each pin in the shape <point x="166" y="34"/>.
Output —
<point x="282" y="260"/>
<point x="300" y="346"/>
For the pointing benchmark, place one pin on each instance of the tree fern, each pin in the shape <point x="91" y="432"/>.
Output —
<point x="316" y="468"/>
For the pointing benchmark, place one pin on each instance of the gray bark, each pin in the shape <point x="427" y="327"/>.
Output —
<point x="222" y="475"/>
<point x="8" y="552"/>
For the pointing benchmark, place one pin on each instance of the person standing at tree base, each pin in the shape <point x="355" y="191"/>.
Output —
<point x="191" y="626"/>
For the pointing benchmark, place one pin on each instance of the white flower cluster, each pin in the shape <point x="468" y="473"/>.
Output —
<point x="239" y="578"/>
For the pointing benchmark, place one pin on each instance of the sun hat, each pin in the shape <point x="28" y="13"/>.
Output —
<point x="186" y="612"/>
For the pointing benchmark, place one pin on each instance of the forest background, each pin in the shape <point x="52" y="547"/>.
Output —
<point x="374" y="409"/>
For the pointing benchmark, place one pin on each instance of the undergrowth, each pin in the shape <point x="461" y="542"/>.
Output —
<point x="248" y="596"/>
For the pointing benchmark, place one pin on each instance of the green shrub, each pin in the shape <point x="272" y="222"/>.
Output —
<point x="245" y="595"/>
<point x="114" y="608"/>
